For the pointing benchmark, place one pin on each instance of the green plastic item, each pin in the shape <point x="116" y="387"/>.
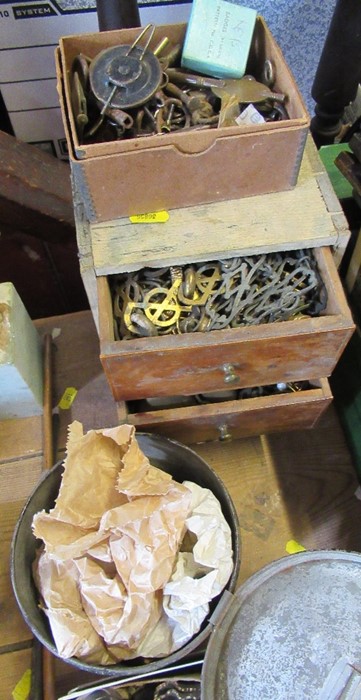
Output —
<point x="328" y="154"/>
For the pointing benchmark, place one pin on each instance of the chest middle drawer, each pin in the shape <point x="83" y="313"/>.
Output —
<point x="295" y="350"/>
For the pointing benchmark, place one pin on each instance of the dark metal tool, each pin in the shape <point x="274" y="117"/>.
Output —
<point x="124" y="76"/>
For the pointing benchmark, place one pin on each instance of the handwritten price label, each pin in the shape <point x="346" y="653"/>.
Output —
<point x="154" y="217"/>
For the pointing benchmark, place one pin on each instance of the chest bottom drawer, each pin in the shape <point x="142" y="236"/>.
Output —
<point x="225" y="420"/>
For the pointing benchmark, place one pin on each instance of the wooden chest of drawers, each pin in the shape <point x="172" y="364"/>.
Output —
<point x="185" y="365"/>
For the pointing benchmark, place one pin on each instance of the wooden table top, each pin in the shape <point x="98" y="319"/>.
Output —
<point x="298" y="486"/>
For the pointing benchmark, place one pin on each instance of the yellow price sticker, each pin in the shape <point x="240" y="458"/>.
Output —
<point x="154" y="217"/>
<point x="67" y="398"/>
<point x="23" y="687"/>
<point x="292" y="547"/>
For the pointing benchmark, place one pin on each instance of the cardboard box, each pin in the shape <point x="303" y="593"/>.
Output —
<point x="135" y="176"/>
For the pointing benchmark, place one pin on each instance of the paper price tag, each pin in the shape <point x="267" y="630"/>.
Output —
<point x="67" y="398"/>
<point x="154" y="217"/>
<point x="250" y="116"/>
<point x="292" y="547"/>
<point x="22" y="688"/>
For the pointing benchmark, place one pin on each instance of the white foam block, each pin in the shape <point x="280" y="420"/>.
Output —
<point x="21" y="367"/>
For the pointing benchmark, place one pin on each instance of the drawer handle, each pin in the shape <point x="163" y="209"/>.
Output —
<point x="225" y="435"/>
<point x="229" y="373"/>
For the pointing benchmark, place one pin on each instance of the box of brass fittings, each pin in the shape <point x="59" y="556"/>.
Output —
<point x="146" y="134"/>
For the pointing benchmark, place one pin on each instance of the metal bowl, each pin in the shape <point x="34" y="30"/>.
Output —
<point x="183" y="464"/>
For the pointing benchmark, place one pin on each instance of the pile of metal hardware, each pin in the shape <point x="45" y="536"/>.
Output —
<point x="232" y="293"/>
<point x="255" y="392"/>
<point x="130" y="91"/>
<point x="164" y="402"/>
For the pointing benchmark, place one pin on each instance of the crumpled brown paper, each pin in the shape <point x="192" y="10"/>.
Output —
<point x="114" y="581"/>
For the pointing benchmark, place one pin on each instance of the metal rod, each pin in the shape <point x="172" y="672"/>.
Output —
<point x="42" y="662"/>
<point x="48" y="446"/>
<point x="117" y="14"/>
<point x="48" y="462"/>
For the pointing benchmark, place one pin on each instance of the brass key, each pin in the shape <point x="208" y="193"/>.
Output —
<point x="204" y="284"/>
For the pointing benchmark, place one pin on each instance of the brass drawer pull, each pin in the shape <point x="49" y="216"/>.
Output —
<point x="224" y="434"/>
<point x="230" y="375"/>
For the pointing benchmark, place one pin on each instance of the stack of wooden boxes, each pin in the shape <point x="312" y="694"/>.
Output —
<point x="229" y="192"/>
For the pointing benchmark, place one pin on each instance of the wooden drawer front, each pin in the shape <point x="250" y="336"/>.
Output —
<point x="297" y="350"/>
<point x="234" y="419"/>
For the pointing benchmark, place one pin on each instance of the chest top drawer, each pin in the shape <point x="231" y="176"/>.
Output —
<point x="190" y="363"/>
